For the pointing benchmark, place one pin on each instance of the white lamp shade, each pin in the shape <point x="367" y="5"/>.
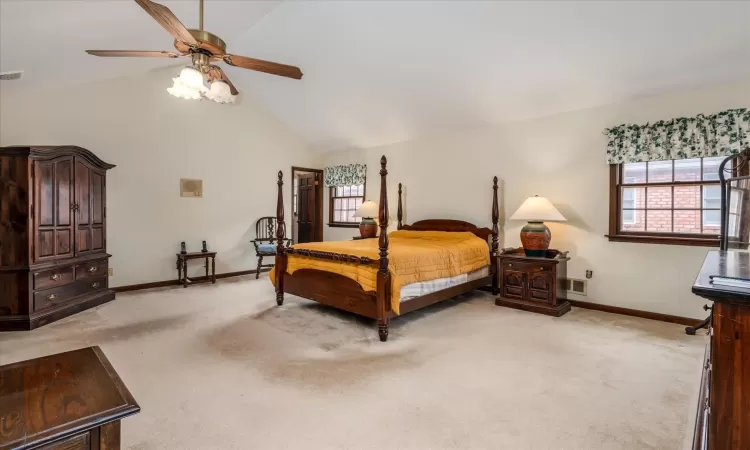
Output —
<point x="538" y="209"/>
<point x="368" y="209"/>
<point x="220" y="92"/>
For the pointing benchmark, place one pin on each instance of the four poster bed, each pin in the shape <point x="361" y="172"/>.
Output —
<point x="424" y="268"/>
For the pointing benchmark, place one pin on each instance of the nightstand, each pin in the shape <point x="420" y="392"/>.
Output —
<point x="532" y="283"/>
<point x="356" y="238"/>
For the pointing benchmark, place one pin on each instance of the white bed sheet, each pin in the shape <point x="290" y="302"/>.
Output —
<point x="427" y="287"/>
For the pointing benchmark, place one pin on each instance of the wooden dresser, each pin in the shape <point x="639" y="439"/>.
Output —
<point x="723" y="419"/>
<point x="69" y="401"/>
<point x="533" y="284"/>
<point x="53" y="234"/>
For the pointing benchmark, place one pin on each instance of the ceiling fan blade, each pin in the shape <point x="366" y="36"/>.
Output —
<point x="215" y="73"/>
<point x="142" y="53"/>
<point x="264" y="66"/>
<point x="168" y="20"/>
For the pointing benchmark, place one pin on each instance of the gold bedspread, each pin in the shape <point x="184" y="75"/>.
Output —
<point x="414" y="256"/>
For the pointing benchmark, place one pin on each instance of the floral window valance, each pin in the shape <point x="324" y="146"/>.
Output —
<point x="348" y="175"/>
<point x="721" y="134"/>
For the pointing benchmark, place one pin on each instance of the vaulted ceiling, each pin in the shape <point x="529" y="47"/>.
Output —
<point x="378" y="72"/>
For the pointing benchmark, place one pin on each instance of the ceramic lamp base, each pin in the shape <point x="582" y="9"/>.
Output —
<point x="535" y="238"/>
<point x="368" y="228"/>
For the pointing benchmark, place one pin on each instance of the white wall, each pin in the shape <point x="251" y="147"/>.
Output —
<point x="155" y="139"/>
<point x="561" y="157"/>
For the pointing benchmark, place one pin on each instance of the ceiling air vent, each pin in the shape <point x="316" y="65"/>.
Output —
<point x="15" y="75"/>
<point x="575" y="286"/>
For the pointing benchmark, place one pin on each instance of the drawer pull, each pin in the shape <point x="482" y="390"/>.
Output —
<point x="95" y="285"/>
<point x="93" y="269"/>
<point x="55" y="277"/>
<point x="51" y="297"/>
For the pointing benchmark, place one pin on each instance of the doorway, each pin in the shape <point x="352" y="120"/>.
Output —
<point x="307" y="205"/>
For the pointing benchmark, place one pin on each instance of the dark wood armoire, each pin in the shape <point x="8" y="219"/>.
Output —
<point x="53" y="234"/>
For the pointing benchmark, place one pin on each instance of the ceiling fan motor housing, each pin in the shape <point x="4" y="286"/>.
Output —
<point x="207" y="42"/>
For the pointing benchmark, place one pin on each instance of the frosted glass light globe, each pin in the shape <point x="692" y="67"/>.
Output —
<point x="220" y="93"/>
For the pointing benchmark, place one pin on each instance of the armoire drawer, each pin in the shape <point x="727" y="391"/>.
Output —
<point x="53" y="278"/>
<point x="49" y="298"/>
<point x="92" y="269"/>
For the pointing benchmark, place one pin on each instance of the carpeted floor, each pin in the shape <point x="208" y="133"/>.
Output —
<point x="221" y="367"/>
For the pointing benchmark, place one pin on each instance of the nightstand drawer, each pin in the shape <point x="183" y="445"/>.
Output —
<point x="525" y="267"/>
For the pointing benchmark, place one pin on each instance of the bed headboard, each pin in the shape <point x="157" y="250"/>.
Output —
<point x="448" y="225"/>
<point x="455" y="225"/>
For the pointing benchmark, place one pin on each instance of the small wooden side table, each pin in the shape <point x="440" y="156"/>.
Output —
<point x="533" y="284"/>
<point x="71" y="401"/>
<point x="183" y="258"/>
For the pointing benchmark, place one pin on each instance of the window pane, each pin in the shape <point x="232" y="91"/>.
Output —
<point x="337" y="203"/>
<point x="659" y="221"/>
<point x="659" y="197"/>
<point x="339" y="191"/>
<point x="347" y="190"/>
<point x="633" y="220"/>
<point x="358" y="203"/>
<point x="733" y="229"/>
<point x="687" y="221"/>
<point x="634" y="198"/>
<point x="361" y="189"/>
<point x="350" y="217"/>
<point x="659" y="171"/>
<point x="687" y="170"/>
<point x="337" y="216"/>
<point x="687" y="197"/>
<point x="711" y="222"/>
<point x="634" y="173"/>
<point x="351" y="204"/>
<point x="711" y="168"/>
<point x="712" y="197"/>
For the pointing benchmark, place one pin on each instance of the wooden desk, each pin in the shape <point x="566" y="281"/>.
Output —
<point x="68" y="401"/>
<point x="723" y="420"/>
<point x="183" y="258"/>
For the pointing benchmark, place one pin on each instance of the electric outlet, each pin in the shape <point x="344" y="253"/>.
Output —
<point x="111" y="271"/>
<point x="589" y="273"/>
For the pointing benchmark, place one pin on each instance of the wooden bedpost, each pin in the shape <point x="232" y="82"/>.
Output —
<point x="384" y="278"/>
<point x="400" y="212"/>
<point x="495" y="232"/>
<point x="280" y="234"/>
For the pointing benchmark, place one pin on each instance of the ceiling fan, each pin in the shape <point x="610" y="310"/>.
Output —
<point x="204" y="48"/>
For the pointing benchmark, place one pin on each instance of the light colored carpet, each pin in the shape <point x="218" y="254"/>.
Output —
<point x="221" y="367"/>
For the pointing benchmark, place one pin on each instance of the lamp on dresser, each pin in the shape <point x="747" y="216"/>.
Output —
<point x="535" y="236"/>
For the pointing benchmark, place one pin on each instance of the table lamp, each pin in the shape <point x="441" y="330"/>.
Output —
<point x="368" y="228"/>
<point x="535" y="235"/>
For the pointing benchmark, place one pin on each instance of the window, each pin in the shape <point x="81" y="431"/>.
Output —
<point x="343" y="203"/>
<point x="676" y="201"/>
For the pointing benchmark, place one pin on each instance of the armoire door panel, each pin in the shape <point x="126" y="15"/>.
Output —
<point x="64" y="241"/>
<point x="83" y="189"/>
<point x="45" y="178"/>
<point x="54" y="208"/>
<point x="97" y="238"/>
<point x="90" y="199"/>
<point x="97" y="198"/>
<point x="63" y="179"/>
<point x="45" y="243"/>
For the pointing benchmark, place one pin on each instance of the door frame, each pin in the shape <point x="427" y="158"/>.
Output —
<point x="318" y="202"/>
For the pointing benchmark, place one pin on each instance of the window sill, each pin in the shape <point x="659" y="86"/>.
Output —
<point x="343" y="225"/>
<point x="668" y="240"/>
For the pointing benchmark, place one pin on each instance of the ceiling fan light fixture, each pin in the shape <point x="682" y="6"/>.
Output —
<point x="180" y="90"/>
<point x="220" y="93"/>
